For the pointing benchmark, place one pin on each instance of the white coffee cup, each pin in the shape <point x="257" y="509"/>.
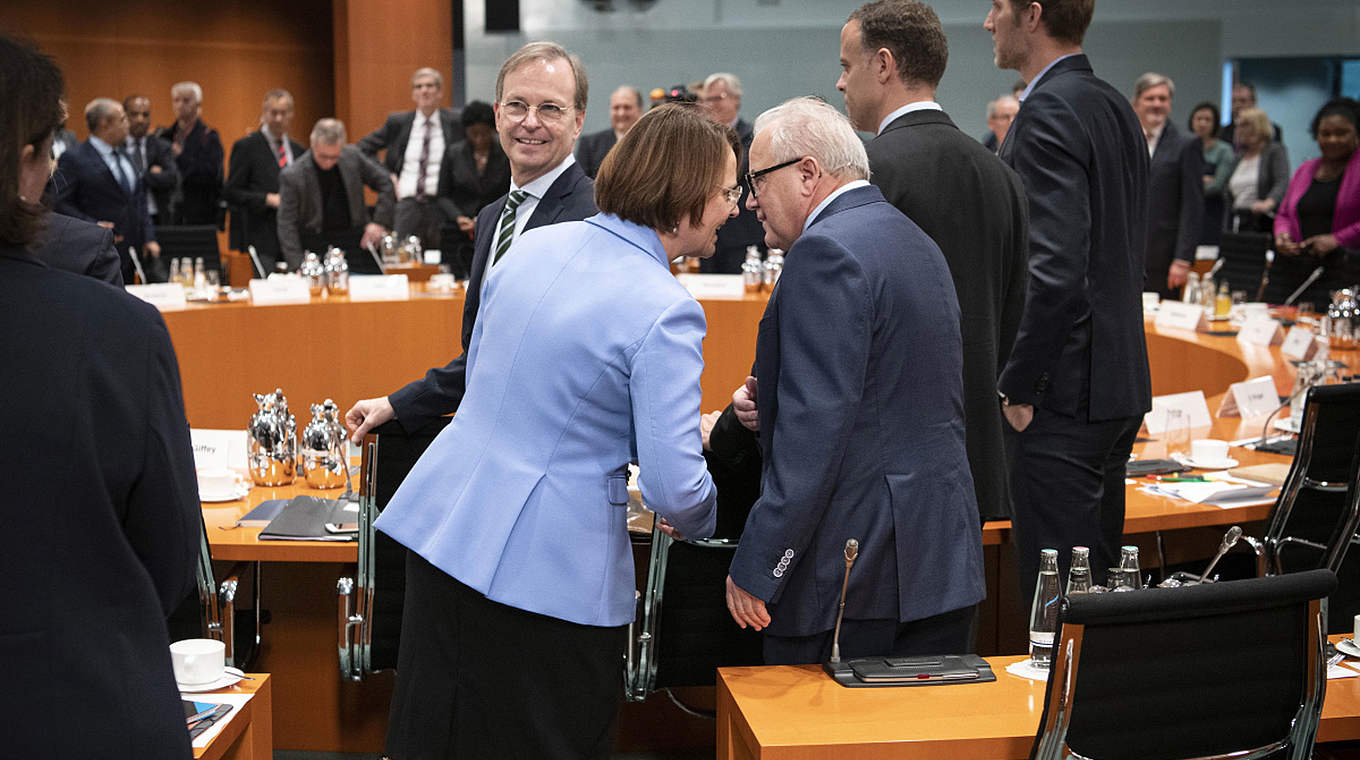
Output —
<point x="1150" y="301"/>
<point x="1355" y="635"/>
<point x="1209" y="450"/>
<point x="217" y="480"/>
<point x="198" y="661"/>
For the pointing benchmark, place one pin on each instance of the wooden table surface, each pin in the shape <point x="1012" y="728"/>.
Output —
<point x="798" y="713"/>
<point x="249" y="733"/>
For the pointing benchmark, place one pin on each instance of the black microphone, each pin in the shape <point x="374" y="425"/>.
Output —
<point x="851" y="553"/>
<point x="1312" y="278"/>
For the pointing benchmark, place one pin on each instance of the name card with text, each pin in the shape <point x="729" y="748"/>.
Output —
<point x="1261" y="331"/>
<point x="218" y="449"/>
<point x="1250" y="398"/>
<point x="166" y="296"/>
<point x="379" y="287"/>
<point x="1299" y="343"/>
<point x="280" y="290"/>
<point x="1192" y="405"/>
<point x="703" y="286"/>
<point x="1181" y="316"/>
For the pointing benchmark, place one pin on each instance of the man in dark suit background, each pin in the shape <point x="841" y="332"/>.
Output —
<point x="152" y="158"/>
<point x="893" y="53"/>
<point x="625" y="108"/>
<point x="721" y="95"/>
<point x="859" y="405"/>
<point x="540" y="107"/>
<point x="1000" y="113"/>
<point x="1076" y="385"/>
<point x="197" y="149"/>
<point x="1175" y="187"/>
<point x="252" y="186"/>
<point x="416" y="143"/>
<point x="97" y="182"/>
<point x="321" y="200"/>
<point x="75" y="245"/>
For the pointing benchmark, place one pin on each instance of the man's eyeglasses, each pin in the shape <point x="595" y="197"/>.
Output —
<point x="753" y="178"/>
<point x="548" y="113"/>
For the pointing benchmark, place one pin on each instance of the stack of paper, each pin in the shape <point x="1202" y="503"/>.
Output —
<point x="1219" y="489"/>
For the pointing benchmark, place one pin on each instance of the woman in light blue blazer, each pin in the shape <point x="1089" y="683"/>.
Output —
<point x="586" y="356"/>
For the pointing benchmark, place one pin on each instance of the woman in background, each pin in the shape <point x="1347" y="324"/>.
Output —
<point x="1319" y="221"/>
<point x="1258" y="178"/>
<point x="1218" y="166"/>
<point x="476" y="169"/>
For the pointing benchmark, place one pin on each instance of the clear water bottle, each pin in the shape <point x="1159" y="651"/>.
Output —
<point x="1130" y="577"/>
<point x="174" y="272"/>
<point x="1190" y="293"/>
<point x="1079" y="577"/>
<point x="1043" y="616"/>
<point x="752" y="270"/>
<point x="200" y="276"/>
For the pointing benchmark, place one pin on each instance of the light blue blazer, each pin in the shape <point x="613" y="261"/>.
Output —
<point x="586" y="356"/>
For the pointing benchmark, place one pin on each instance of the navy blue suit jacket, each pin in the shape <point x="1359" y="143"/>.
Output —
<point x="85" y="188"/>
<point x="860" y="390"/>
<point x="1175" y="204"/>
<point x="570" y="198"/>
<point x="75" y="245"/>
<point x="1081" y="154"/>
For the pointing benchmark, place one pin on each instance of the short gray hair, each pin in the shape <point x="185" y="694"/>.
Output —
<point x="328" y="131"/>
<point x="97" y="110"/>
<point x="730" y="80"/>
<point x="546" y="51"/>
<point x="809" y="126"/>
<point x="993" y="105"/>
<point x="187" y="87"/>
<point x="1152" y="79"/>
<point x="428" y="72"/>
<point x="637" y="95"/>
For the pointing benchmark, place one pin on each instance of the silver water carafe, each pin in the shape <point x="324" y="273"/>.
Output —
<point x="324" y="447"/>
<point x="272" y="441"/>
<point x="314" y="272"/>
<point x="337" y="272"/>
<point x="1341" y="324"/>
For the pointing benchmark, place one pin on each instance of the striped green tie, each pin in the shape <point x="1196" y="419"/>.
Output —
<point x="506" y="232"/>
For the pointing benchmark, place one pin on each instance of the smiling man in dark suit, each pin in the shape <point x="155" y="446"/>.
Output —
<point x="625" y="108"/>
<point x="416" y="143"/>
<point x="540" y="107"/>
<point x="860" y="414"/>
<point x="97" y="182"/>
<point x="893" y="53"/>
<point x="252" y="186"/>
<point x="1076" y="385"/>
<point x="1175" y="187"/>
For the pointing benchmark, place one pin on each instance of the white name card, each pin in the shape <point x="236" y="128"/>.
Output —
<point x="1250" y="398"/>
<point x="703" y="286"/>
<point x="280" y="290"/>
<point x="433" y="256"/>
<point x="166" y="296"/>
<point x="1181" y="316"/>
<point x="1261" y="331"/>
<point x="379" y="287"/>
<point x="217" y="449"/>
<point x="1192" y="404"/>
<point x="1299" y="343"/>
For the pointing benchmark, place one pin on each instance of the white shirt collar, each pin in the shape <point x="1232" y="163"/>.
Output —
<point x="101" y="146"/>
<point x="1040" y="75"/>
<point x="540" y="186"/>
<point x="920" y="105"/>
<point x="838" y="192"/>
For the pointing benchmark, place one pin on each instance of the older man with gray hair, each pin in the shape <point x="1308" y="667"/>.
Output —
<point x="1175" y="187"/>
<point x="198" y="155"/>
<point x="857" y="397"/>
<point x="321" y="200"/>
<point x="721" y="97"/>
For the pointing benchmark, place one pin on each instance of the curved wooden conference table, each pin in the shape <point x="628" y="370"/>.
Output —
<point x="333" y="348"/>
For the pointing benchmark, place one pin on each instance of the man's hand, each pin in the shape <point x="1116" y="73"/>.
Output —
<point x="744" y="404"/>
<point x="1018" y="415"/>
<point x="372" y="234"/>
<point x="1178" y="274"/>
<point x="1286" y="245"/>
<point x="366" y="415"/>
<point x="669" y="529"/>
<point x="1320" y="245"/>
<point x="152" y="249"/>
<point x="1263" y="207"/>
<point x="176" y="148"/>
<point x="467" y="224"/>
<point x="155" y="169"/>
<point x="706" y="423"/>
<point x="271" y="200"/>
<point x="747" y="610"/>
<point x="105" y="225"/>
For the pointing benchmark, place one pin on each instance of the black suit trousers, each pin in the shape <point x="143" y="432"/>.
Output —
<point x="1067" y="482"/>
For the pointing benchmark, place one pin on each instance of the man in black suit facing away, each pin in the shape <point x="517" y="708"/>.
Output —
<point x="1175" y="187"/>
<point x="152" y="158"/>
<point x="625" y="108"/>
<point x="893" y="53"/>
<point x="96" y="182"/>
<point x="722" y="97"/>
<point x="540" y="107"/>
<point x="252" y="187"/>
<point x="1076" y="385"/>
<point x="75" y="245"/>
<point x="198" y="153"/>
<point x="415" y="143"/>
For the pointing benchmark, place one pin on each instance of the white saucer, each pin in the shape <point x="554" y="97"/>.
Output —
<point x="225" y="494"/>
<point x="1219" y="464"/>
<point x="1347" y="648"/>
<point x="230" y="677"/>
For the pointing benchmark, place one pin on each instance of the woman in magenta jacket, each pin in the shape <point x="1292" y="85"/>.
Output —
<point x="1319" y="220"/>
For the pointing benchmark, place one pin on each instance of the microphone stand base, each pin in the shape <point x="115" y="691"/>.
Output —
<point x="872" y="672"/>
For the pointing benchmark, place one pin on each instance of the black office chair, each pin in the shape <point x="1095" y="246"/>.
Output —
<point x="1244" y="261"/>
<point x="370" y="600"/>
<point x="191" y="242"/>
<point x="211" y="611"/>
<point x="1233" y="669"/>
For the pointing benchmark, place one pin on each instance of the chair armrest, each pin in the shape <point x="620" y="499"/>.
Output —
<point x="347" y="620"/>
<point x="226" y="607"/>
<point x="1259" y="549"/>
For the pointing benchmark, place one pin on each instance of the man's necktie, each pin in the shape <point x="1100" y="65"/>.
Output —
<point x="506" y="231"/>
<point x="138" y="158"/>
<point x="122" y="175"/>
<point x="283" y="155"/>
<point x="424" y="159"/>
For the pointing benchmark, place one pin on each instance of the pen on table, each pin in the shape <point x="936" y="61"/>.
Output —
<point x="1177" y="479"/>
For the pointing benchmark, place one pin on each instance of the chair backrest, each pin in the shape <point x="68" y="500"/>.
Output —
<point x="1244" y="261"/>
<point x="190" y="241"/>
<point x="1194" y="672"/>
